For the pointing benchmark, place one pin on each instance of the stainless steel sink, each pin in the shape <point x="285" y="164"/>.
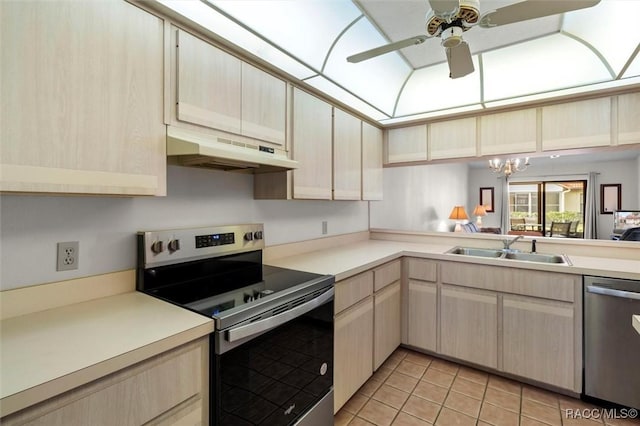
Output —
<point x="538" y="257"/>
<point x="560" y="259"/>
<point x="470" y="251"/>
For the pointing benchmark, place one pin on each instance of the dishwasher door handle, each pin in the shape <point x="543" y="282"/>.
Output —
<point x="613" y="292"/>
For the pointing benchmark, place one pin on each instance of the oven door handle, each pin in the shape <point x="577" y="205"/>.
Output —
<point x="612" y="292"/>
<point x="244" y="331"/>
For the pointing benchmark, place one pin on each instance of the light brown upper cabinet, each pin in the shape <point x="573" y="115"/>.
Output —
<point x="407" y="144"/>
<point x="452" y="139"/>
<point x="214" y="90"/>
<point x="82" y="99"/>
<point x="209" y="84"/>
<point x="311" y="147"/>
<point x="263" y="105"/>
<point x="577" y="124"/>
<point x="371" y="162"/>
<point x="629" y="118"/>
<point x="347" y="156"/>
<point x="508" y="132"/>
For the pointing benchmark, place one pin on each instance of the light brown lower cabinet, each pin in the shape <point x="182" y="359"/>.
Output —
<point x="168" y="389"/>
<point x="422" y="322"/>
<point x="386" y="322"/>
<point x="469" y="325"/>
<point x="538" y="340"/>
<point x="353" y="350"/>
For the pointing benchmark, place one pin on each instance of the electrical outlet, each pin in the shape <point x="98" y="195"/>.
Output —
<point x="68" y="255"/>
<point x="324" y="227"/>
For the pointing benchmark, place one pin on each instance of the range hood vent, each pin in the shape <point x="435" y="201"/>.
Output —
<point x="195" y="149"/>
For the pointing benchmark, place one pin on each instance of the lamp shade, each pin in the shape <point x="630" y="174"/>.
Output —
<point x="479" y="210"/>
<point x="458" y="213"/>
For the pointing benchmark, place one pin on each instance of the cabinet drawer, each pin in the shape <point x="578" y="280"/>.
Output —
<point x="548" y="285"/>
<point x="424" y="270"/>
<point x="352" y="290"/>
<point x="386" y="274"/>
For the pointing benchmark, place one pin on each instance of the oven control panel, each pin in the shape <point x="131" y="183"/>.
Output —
<point x="156" y="248"/>
<point x="213" y="240"/>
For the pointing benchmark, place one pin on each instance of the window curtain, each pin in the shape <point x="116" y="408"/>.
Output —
<point x="505" y="223"/>
<point x="591" y="208"/>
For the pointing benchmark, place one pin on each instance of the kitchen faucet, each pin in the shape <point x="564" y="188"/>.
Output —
<point x="507" y="243"/>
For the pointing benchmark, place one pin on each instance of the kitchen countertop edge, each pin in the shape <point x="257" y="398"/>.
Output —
<point x="198" y="326"/>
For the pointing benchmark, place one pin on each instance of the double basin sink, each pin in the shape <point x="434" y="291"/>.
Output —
<point x="560" y="259"/>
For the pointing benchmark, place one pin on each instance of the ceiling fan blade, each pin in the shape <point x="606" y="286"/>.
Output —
<point x="445" y="9"/>
<point x="460" y="62"/>
<point x="380" y="50"/>
<point x="532" y="9"/>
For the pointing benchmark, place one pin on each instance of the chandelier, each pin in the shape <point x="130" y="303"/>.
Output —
<point x="509" y="166"/>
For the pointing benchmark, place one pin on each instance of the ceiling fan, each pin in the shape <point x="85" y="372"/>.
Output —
<point x="448" y="19"/>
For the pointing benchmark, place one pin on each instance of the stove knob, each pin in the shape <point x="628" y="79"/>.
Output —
<point x="174" y="245"/>
<point x="157" y="247"/>
<point x="248" y="236"/>
<point x="257" y="235"/>
<point x="248" y="298"/>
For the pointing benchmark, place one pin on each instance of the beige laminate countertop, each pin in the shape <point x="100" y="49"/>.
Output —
<point x="46" y="353"/>
<point x="351" y="259"/>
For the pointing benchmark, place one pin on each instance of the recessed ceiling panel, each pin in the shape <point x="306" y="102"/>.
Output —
<point x="306" y="29"/>
<point x="431" y="89"/>
<point x="634" y="68"/>
<point x="386" y="73"/>
<point x="345" y="97"/>
<point x="542" y="65"/>
<point x="211" y="19"/>
<point x="610" y="28"/>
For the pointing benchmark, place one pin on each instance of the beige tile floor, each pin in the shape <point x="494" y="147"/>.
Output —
<point x="413" y="389"/>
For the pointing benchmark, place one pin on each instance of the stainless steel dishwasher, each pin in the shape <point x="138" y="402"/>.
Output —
<point x="611" y="344"/>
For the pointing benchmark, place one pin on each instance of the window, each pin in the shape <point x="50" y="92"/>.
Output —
<point x="535" y="206"/>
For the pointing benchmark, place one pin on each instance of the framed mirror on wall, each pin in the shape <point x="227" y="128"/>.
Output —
<point x="610" y="198"/>
<point x="486" y="199"/>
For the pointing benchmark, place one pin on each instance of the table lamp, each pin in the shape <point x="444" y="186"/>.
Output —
<point x="479" y="211"/>
<point x="458" y="214"/>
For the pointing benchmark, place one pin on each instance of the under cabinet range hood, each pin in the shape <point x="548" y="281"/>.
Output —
<point x="195" y="149"/>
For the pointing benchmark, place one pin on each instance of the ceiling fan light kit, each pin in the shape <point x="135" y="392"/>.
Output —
<point x="449" y="19"/>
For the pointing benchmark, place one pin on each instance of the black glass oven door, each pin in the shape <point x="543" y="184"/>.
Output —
<point x="277" y="377"/>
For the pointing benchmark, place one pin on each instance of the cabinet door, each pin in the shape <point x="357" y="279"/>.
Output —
<point x="469" y="325"/>
<point x="538" y="340"/>
<point x="629" y="118"/>
<point x="353" y="351"/>
<point x="264" y="105"/>
<point x="371" y="162"/>
<point x="453" y="139"/>
<point x="82" y="98"/>
<point x="508" y="132"/>
<point x="208" y="88"/>
<point x="311" y="147"/>
<point x="347" y="156"/>
<point x="576" y="124"/>
<point x="386" y="323"/>
<point x="422" y="318"/>
<point x="407" y="144"/>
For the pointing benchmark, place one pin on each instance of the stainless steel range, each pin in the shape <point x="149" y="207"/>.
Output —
<point x="272" y="349"/>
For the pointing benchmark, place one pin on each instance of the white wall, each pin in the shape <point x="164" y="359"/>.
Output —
<point x="420" y="198"/>
<point x="625" y="172"/>
<point x="30" y="226"/>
